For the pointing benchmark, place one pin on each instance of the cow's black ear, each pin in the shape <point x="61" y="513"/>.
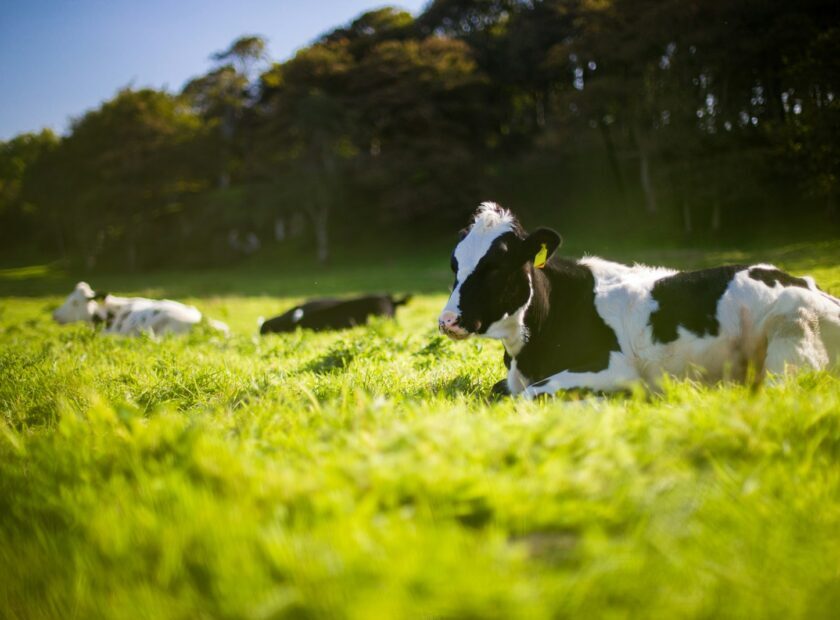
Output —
<point x="99" y="295"/>
<point x="540" y="245"/>
<point x="463" y="233"/>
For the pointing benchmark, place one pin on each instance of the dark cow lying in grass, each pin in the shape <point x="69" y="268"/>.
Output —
<point x="129" y="316"/>
<point x="321" y="314"/>
<point x="602" y="326"/>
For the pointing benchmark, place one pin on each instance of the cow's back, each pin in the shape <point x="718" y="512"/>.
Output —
<point x="139" y="315"/>
<point x="328" y="313"/>
<point x="712" y="323"/>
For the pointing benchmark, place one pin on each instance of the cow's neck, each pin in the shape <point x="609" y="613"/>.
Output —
<point x="537" y="310"/>
<point x="525" y="325"/>
<point x="560" y="277"/>
<point x="511" y="330"/>
<point x="107" y="308"/>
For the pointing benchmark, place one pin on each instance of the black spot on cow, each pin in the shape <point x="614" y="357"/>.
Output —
<point x="107" y="318"/>
<point x="771" y="277"/>
<point x="689" y="300"/>
<point x="566" y="331"/>
<point x="327" y="313"/>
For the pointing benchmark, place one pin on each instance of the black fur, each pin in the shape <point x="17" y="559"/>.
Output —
<point x="689" y="300"/>
<point x="326" y="313"/>
<point x="566" y="333"/>
<point x="107" y="318"/>
<point x="500" y="389"/>
<point x="772" y="276"/>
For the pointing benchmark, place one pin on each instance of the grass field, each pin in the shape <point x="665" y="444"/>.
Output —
<point x="362" y="474"/>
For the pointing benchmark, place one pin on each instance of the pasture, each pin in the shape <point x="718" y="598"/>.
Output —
<point x="364" y="474"/>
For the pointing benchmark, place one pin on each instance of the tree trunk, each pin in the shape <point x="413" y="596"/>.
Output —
<point x="687" y="229"/>
<point x="716" y="215"/>
<point x="644" y="169"/>
<point x="131" y="254"/>
<point x="613" y="159"/>
<point x="539" y="109"/>
<point x="59" y="235"/>
<point x="322" y="247"/>
<point x="644" y="178"/>
<point x="279" y="229"/>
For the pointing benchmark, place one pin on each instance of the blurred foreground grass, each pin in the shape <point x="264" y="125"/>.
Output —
<point x="362" y="474"/>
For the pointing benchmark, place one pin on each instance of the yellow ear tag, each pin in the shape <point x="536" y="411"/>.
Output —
<point x="541" y="257"/>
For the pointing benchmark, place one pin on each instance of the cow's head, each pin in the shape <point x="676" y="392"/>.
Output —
<point x="80" y="305"/>
<point x="493" y="264"/>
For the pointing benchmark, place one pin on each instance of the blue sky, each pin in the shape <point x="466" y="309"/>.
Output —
<point x="60" y="58"/>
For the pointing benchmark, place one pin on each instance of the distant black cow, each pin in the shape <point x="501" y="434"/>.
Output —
<point x="326" y="313"/>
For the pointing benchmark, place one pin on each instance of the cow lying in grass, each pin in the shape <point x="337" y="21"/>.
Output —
<point x="321" y="314"/>
<point x="129" y="316"/>
<point x="602" y="326"/>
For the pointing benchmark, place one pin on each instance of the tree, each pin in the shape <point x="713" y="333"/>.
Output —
<point x="372" y="28"/>
<point x="305" y="132"/>
<point x="123" y="170"/>
<point x="246" y="53"/>
<point x="428" y="115"/>
<point x="221" y="97"/>
<point x="18" y="216"/>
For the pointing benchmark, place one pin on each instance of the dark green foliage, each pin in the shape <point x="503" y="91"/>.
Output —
<point x="706" y="121"/>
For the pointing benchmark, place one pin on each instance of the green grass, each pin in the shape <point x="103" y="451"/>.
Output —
<point x="362" y="474"/>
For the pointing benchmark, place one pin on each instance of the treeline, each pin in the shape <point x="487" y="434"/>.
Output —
<point x="707" y="119"/>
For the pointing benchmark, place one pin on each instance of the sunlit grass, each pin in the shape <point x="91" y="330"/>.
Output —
<point x="364" y="474"/>
<point x="27" y="273"/>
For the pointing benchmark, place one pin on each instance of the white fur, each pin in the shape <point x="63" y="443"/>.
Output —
<point x="491" y="222"/>
<point x="130" y="315"/>
<point x="762" y="329"/>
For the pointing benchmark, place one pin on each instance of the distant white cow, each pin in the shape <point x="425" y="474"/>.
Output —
<point x="129" y="316"/>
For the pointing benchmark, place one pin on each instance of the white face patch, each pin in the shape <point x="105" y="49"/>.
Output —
<point x="491" y="222"/>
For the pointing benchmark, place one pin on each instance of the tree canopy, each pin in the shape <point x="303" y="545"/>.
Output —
<point x="658" y="118"/>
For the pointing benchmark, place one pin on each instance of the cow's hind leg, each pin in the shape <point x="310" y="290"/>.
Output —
<point x="830" y="335"/>
<point x="795" y="342"/>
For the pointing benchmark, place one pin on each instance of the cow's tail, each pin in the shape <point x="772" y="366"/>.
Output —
<point x="401" y="301"/>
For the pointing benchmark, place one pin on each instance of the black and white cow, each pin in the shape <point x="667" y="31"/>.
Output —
<point x="603" y="326"/>
<point x="328" y="313"/>
<point x="129" y="316"/>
